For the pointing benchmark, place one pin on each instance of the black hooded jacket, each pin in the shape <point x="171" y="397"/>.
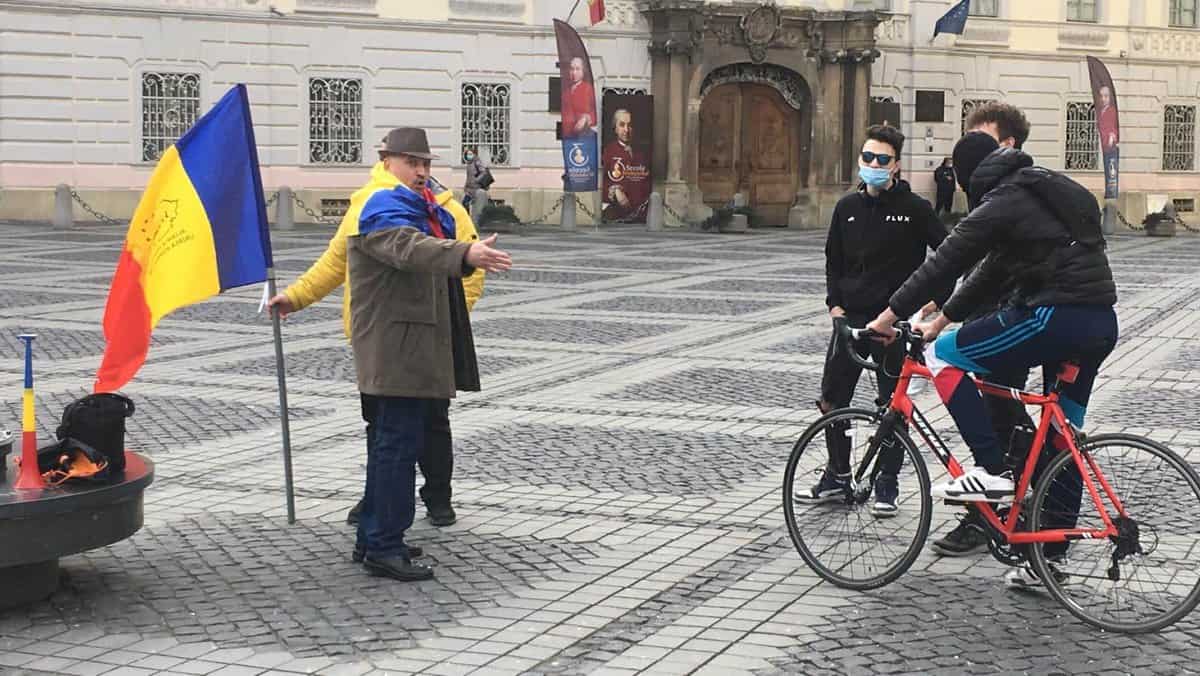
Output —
<point x="875" y="243"/>
<point x="1024" y="247"/>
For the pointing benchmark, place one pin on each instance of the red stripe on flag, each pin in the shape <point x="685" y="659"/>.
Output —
<point x="947" y="381"/>
<point x="126" y="327"/>
<point x="596" y="9"/>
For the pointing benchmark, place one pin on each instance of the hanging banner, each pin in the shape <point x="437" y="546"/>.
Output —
<point x="625" y="161"/>
<point x="1107" y="123"/>
<point x="579" y="139"/>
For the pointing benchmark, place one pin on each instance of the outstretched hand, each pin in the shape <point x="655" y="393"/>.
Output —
<point x="483" y="255"/>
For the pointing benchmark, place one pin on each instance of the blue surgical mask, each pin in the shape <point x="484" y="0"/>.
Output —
<point x="876" y="177"/>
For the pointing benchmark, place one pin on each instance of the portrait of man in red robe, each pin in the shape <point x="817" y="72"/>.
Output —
<point x="578" y="100"/>
<point x="626" y="172"/>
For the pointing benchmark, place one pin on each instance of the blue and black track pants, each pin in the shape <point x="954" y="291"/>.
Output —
<point x="1011" y="340"/>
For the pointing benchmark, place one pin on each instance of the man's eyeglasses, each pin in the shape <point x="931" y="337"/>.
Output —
<point x="869" y="157"/>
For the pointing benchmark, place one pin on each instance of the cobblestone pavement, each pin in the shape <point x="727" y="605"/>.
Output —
<point x="617" y="481"/>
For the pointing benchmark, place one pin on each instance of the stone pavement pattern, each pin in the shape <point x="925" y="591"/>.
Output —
<point x="617" y="481"/>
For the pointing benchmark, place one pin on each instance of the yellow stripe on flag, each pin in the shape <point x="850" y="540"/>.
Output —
<point x="27" y="419"/>
<point x="171" y="239"/>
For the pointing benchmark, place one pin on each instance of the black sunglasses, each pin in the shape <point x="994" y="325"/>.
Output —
<point x="868" y="157"/>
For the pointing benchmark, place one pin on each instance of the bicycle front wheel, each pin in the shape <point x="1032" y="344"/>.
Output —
<point x="1146" y="578"/>
<point x="839" y="536"/>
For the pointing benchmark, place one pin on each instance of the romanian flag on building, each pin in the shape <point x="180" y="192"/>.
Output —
<point x="199" y="229"/>
<point x="596" y="10"/>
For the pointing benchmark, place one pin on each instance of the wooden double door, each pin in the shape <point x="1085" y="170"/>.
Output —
<point x="749" y="143"/>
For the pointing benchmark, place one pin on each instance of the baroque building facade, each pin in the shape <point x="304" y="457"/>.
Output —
<point x="764" y="99"/>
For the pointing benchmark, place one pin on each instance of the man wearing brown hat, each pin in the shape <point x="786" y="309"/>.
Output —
<point x="408" y="327"/>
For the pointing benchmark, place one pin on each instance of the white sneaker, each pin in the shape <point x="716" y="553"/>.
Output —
<point x="1024" y="578"/>
<point x="976" y="485"/>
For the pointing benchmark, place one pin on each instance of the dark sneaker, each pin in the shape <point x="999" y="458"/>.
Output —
<point x="355" y="511"/>
<point x="360" y="552"/>
<point x="1024" y="578"/>
<point x="831" y="488"/>
<point x="442" y="515"/>
<point x="397" y="568"/>
<point x="887" y="491"/>
<point x="967" y="537"/>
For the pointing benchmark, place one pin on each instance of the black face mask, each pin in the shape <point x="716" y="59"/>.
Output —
<point x="969" y="153"/>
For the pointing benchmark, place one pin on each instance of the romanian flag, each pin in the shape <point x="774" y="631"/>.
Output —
<point x="199" y="229"/>
<point x="596" y="10"/>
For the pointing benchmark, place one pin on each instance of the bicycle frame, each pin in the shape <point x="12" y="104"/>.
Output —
<point x="1051" y="414"/>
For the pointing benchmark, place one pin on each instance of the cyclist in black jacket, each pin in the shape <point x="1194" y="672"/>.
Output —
<point x="1061" y="306"/>
<point x="879" y="234"/>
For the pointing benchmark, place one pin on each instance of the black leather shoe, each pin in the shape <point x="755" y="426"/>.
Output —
<point x="352" y="517"/>
<point x="397" y="568"/>
<point x="442" y="515"/>
<point x="360" y="553"/>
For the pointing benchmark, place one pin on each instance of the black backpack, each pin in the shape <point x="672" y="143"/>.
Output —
<point x="98" y="421"/>
<point x="1070" y="202"/>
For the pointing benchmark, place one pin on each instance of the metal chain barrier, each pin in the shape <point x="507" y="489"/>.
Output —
<point x="273" y="198"/>
<point x="1126" y="223"/>
<point x="1185" y="226"/>
<point x="579" y="203"/>
<point x="541" y="220"/>
<point x="88" y="208"/>
<point x="312" y="214"/>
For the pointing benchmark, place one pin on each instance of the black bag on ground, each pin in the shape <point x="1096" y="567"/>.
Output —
<point x="1069" y="201"/>
<point x="98" y="420"/>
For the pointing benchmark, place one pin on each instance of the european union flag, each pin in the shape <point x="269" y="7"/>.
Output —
<point x="955" y="20"/>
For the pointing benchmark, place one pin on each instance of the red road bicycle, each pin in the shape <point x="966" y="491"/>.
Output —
<point x="1111" y="527"/>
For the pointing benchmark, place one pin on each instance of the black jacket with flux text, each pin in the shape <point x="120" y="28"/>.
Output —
<point x="874" y="244"/>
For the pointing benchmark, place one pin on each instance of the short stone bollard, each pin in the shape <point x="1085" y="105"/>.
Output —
<point x="654" y="214"/>
<point x="285" y="209"/>
<point x="63" y="208"/>
<point x="568" y="211"/>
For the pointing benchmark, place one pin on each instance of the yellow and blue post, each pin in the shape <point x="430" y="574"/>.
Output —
<point x="30" y="477"/>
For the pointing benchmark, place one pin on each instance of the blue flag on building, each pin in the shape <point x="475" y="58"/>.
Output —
<point x="953" y="21"/>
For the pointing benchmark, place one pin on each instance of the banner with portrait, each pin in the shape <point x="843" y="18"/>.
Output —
<point x="626" y="156"/>
<point x="1108" y="124"/>
<point x="579" y="121"/>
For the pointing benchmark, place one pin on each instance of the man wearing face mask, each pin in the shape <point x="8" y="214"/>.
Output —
<point x="1051" y="251"/>
<point x="879" y="234"/>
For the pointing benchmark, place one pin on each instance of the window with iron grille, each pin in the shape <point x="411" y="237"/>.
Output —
<point x="1082" y="10"/>
<point x="985" y="8"/>
<point x="170" y="106"/>
<point x="1179" y="138"/>
<point x="335" y="112"/>
<point x="1183" y="13"/>
<point x="1083" y="141"/>
<point x="968" y="107"/>
<point x="485" y="120"/>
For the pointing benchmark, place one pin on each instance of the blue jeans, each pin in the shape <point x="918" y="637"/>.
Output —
<point x="395" y="439"/>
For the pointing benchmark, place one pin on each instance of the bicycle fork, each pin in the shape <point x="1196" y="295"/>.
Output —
<point x="883" y="439"/>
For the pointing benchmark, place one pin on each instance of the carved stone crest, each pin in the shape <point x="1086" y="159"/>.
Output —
<point x="759" y="29"/>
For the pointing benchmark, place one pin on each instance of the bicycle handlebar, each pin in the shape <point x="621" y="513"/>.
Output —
<point x="849" y="334"/>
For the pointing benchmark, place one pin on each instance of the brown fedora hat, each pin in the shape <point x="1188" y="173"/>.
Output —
<point x="407" y="141"/>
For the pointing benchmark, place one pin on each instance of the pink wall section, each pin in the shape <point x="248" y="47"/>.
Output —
<point x="25" y="176"/>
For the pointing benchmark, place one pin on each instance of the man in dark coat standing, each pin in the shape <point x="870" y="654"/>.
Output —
<point x="944" y="177"/>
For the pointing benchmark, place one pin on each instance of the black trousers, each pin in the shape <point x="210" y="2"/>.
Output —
<point x="436" y="458"/>
<point x="838" y="383"/>
<point x="945" y="201"/>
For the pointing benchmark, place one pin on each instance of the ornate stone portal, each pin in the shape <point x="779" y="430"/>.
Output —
<point x="763" y="100"/>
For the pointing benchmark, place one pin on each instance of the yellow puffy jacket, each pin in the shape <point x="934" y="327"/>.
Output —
<point x="329" y="272"/>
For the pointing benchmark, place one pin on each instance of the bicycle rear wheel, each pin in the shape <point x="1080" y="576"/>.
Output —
<point x="841" y="540"/>
<point x="1155" y="580"/>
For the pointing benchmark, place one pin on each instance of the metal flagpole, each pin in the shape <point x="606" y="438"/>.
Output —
<point x="572" y="12"/>
<point x="283" y="402"/>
